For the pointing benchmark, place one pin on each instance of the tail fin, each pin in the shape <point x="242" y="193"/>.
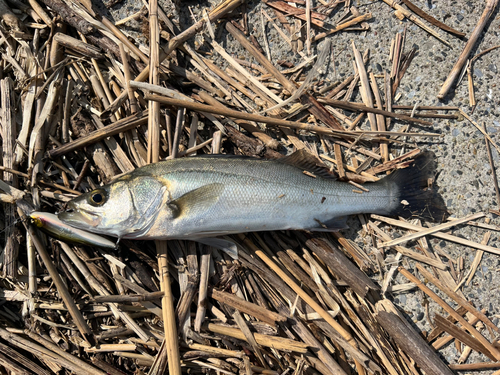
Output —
<point x="413" y="197"/>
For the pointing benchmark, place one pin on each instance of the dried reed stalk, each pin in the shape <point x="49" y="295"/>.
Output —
<point x="71" y="358"/>
<point x="120" y="126"/>
<point x="359" y="107"/>
<point x="492" y="165"/>
<point x="297" y="289"/>
<point x="171" y="341"/>
<point x="441" y="235"/>
<point x="203" y="289"/>
<point x="131" y="46"/>
<point x="411" y="343"/>
<point x="154" y="65"/>
<point x="61" y="287"/>
<point x="458" y="299"/>
<point x="278" y="343"/>
<point x="434" y="229"/>
<point x="402" y="12"/>
<point x="316" y="109"/>
<point x="491" y="350"/>
<point x="78" y="46"/>
<point x="11" y="249"/>
<point x="249" y="308"/>
<point x="274" y="121"/>
<point x="432" y="20"/>
<point x="220" y="11"/>
<point x="460" y="335"/>
<point x="126" y="71"/>
<point x="475" y="366"/>
<point x="343" y="26"/>
<point x="44" y="353"/>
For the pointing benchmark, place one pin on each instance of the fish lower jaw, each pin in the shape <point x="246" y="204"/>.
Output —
<point x="80" y="219"/>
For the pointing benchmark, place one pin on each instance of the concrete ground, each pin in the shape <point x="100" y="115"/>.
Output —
<point x="464" y="178"/>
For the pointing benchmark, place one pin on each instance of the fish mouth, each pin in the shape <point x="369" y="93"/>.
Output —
<point x="79" y="218"/>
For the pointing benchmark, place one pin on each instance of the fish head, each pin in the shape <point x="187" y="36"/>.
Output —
<point x="124" y="208"/>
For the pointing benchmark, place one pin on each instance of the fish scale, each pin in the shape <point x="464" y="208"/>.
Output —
<point x="269" y="196"/>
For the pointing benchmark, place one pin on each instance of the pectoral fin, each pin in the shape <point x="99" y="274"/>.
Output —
<point x="197" y="201"/>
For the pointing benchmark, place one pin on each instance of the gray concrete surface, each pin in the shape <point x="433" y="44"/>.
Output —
<point x="465" y="178"/>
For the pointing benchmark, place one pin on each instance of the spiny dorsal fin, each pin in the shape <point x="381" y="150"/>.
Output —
<point x="304" y="160"/>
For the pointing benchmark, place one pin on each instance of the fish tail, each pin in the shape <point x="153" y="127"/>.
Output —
<point x="412" y="196"/>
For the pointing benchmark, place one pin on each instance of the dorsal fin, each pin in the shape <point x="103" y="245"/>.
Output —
<point x="306" y="161"/>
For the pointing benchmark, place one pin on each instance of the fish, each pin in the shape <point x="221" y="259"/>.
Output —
<point x="201" y="197"/>
<point x="53" y="226"/>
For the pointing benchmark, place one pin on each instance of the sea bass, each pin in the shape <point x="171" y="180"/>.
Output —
<point x="206" y="196"/>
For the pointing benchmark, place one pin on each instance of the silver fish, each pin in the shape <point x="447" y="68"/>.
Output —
<point x="207" y="196"/>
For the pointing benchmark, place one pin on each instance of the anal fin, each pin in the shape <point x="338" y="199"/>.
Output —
<point x="332" y="225"/>
<point x="228" y="247"/>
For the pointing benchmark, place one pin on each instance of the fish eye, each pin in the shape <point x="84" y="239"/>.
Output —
<point x="97" y="198"/>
